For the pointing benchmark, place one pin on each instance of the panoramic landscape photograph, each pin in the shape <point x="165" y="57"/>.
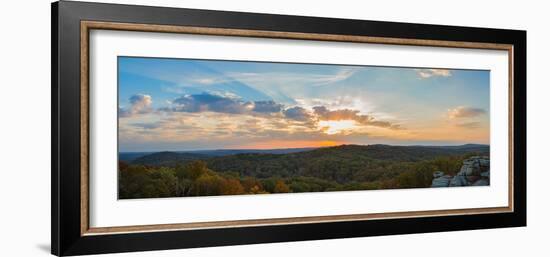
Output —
<point x="189" y="127"/>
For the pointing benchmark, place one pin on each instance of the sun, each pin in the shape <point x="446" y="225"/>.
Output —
<point x="331" y="127"/>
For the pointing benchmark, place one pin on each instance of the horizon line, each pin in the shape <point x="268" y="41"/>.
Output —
<point x="290" y="148"/>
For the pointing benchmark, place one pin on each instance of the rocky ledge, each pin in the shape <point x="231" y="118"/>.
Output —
<point x="474" y="172"/>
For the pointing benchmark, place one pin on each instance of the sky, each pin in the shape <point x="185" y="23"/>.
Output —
<point x="184" y="104"/>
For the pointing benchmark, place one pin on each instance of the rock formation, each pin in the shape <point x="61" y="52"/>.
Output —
<point x="474" y="172"/>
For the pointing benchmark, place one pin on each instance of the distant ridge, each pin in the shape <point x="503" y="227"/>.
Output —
<point x="232" y="159"/>
<point x="131" y="156"/>
<point x="466" y="146"/>
<point x="167" y="158"/>
<point x="224" y="152"/>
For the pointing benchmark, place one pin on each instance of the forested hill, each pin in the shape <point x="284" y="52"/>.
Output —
<point x="159" y="158"/>
<point x="340" y="163"/>
<point x="168" y="158"/>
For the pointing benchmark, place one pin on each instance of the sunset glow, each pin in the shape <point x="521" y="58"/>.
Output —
<point x="181" y="104"/>
<point x="281" y="144"/>
<point x="331" y="127"/>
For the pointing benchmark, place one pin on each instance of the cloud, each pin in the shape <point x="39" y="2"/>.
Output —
<point x="295" y="78"/>
<point x="141" y="101"/>
<point x="139" y="104"/>
<point x="256" y="86"/>
<point x="210" y="80"/>
<point x="464" y="112"/>
<point x="209" y="102"/>
<point x="469" y="125"/>
<point x="267" y="107"/>
<point x="144" y="125"/>
<point x="206" y="102"/>
<point x="342" y="114"/>
<point x="224" y="94"/>
<point x="297" y="113"/>
<point x="323" y="113"/>
<point x="224" y="128"/>
<point x="341" y="75"/>
<point x="428" y="73"/>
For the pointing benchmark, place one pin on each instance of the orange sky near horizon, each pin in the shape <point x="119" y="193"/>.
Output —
<point x="282" y="144"/>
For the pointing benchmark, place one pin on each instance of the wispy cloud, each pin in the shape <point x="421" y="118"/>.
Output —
<point x="209" y="80"/>
<point x="469" y="125"/>
<point x="341" y="75"/>
<point x="312" y="79"/>
<point x="464" y="112"/>
<point x="428" y="73"/>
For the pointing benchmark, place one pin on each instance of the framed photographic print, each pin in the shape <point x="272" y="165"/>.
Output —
<point x="178" y="128"/>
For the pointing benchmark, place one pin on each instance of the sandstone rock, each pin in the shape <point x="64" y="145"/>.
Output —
<point x="474" y="171"/>
<point x="484" y="162"/>
<point x="466" y="169"/>
<point x="471" y="166"/>
<point x="459" y="181"/>
<point x="438" y="174"/>
<point x="442" y="181"/>
<point x="481" y="182"/>
<point x="473" y="179"/>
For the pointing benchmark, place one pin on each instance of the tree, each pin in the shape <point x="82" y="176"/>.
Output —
<point x="406" y="180"/>
<point x="187" y="175"/>
<point x="232" y="187"/>
<point x="448" y="164"/>
<point x="122" y="165"/>
<point x="299" y="186"/>
<point x="132" y="180"/>
<point x="269" y="184"/>
<point x="162" y="183"/>
<point x="208" y="184"/>
<point x="192" y="170"/>
<point x="281" y="187"/>
<point x="252" y="185"/>
<point x="137" y="181"/>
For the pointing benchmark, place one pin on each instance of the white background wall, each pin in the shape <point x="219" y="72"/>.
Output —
<point x="25" y="127"/>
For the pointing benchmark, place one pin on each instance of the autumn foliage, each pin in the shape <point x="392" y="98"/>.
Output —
<point x="192" y="179"/>
<point x="326" y="173"/>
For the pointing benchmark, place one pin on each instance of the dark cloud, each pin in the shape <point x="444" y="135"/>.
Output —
<point x="207" y="102"/>
<point x="297" y="113"/>
<point x="267" y="107"/>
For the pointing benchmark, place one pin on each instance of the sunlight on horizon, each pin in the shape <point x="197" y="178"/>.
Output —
<point x="331" y="127"/>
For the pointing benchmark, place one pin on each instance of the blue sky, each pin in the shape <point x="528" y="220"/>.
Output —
<point x="181" y="104"/>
